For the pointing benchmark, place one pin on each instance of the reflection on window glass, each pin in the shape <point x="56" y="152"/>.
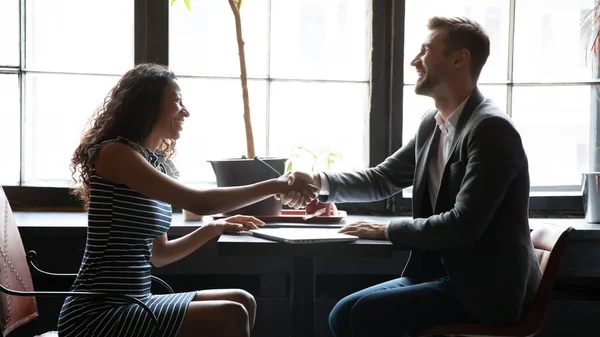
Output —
<point x="335" y="117"/>
<point x="10" y="132"/>
<point x="554" y="125"/>
<point x="58" y="108"/>
<point x="493" y="15"/>
<point x="203" y="41"/>
<point x="549" y="44"/>
<point x="316" y="39"/>
<point x="65" y="35"/>
<point x="215" y="128"/>
<point x="9" y="33"/>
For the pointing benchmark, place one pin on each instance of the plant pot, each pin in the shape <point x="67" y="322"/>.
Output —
<point x="236" y="172"/>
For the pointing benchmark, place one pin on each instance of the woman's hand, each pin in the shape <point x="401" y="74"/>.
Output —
<point x="234" y="224"/>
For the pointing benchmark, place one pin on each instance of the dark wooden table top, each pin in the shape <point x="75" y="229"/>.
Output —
<point x="180" y="226"/>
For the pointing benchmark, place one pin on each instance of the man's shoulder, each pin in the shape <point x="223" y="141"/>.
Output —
<point x="488" y="113"/>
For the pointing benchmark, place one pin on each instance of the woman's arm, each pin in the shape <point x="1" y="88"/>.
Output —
<point x="165" y="251"/>
<point x="121" y="163"/>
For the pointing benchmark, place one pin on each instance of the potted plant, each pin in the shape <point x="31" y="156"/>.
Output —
<point x="245" y="170"/>
<point x="303" y="159"/>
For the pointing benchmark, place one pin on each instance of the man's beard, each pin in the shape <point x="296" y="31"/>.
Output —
<point x="425" y="85"/>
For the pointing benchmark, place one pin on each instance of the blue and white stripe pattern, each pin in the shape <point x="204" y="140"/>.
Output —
<point x="122" y="224"/>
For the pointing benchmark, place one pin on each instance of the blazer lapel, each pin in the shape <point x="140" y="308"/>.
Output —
<point x="472" y="104"/>
<point x="461" y="126"/>
<point x="422" y="169"/>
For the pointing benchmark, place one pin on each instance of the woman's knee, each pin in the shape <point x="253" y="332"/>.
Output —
<point x="216" y="318"/>
<point x="244" y="298"/>
<point x="237" y="312"/>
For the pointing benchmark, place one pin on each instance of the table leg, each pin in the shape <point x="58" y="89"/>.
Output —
<point x="303" y="297"/>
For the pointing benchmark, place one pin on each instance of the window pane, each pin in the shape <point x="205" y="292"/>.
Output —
<point x="10" y="130"/>
<point x="491" y="14"/>
<point x="203" y="41"/>
<point x="65" y="35"/>
<point x="9" y="33"/>
<point x="215" y="128"/>
<point x="316" y="39"/>
<point x="549" y="45"/>
<point x="415" y="106"/>
<point x="57" y="109"/>
<point x="321" y="115"/>
<point x="554" y="125"/>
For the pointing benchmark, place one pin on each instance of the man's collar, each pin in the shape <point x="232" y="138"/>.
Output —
<point x="453" y="119"/>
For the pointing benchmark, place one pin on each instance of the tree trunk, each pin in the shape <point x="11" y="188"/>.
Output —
<point x="243" y="76"/>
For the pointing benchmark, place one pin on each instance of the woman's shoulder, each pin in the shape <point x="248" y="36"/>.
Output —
<point x="94" y="150"/>
<point x="159" y="159"/>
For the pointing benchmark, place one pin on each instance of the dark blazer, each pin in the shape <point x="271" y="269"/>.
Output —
<point x="478" y="230"/>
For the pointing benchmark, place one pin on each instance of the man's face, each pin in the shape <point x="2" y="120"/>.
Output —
<point x="432" y="64"/>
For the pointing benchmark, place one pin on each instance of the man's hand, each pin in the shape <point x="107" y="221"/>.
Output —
<point x="365" y="229"/>
<point x="294" y="198"/>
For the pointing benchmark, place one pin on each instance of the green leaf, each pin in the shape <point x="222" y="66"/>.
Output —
<point x="173" y="2"/>
<point x="187" y="4"/>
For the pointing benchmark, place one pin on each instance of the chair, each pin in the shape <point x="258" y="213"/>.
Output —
<point x="19" y="307"/>
<point x="549" y="242"/>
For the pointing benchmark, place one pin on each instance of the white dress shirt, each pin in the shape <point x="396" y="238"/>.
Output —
<point x="438" y="160"/>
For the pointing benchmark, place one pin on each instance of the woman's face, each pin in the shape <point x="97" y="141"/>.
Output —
<point x="171" y="113"/>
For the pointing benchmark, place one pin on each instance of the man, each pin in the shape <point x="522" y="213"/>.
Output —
<point x="472" y="258"/>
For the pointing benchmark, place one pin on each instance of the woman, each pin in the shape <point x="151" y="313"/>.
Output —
<point x="128" y="186"/>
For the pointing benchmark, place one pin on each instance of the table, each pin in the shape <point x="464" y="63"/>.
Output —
<point x="580" y="258"/>
<point x="303" y="274"/>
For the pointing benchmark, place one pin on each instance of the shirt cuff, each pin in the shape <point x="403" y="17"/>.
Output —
<point x="324" y="190"/>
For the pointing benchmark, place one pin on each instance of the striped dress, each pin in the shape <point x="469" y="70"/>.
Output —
<point x="121" y="227"/>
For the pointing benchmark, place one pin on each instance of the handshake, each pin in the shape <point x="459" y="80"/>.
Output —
<point x="298" y="189"/>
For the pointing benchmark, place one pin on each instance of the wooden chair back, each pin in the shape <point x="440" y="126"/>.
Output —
<point x="549" y="242"/>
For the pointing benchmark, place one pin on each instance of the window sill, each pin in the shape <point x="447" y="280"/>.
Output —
<point x="23" y="198"/>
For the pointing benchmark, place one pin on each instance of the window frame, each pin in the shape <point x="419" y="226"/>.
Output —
<point x="151" y="40"/>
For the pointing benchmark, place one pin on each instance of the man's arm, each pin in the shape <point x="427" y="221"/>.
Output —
<point x="386" y="179"/>
<point x="495" y="158"/>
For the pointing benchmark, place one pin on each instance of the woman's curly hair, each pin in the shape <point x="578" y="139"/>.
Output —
<point x="130" y="110"/>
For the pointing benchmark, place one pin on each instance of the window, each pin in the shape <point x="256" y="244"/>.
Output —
<point x="308" y="65"/>
<point x="537" y="72"/>
<point x="319" y="77"/>
<point x="54" y="78"/>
